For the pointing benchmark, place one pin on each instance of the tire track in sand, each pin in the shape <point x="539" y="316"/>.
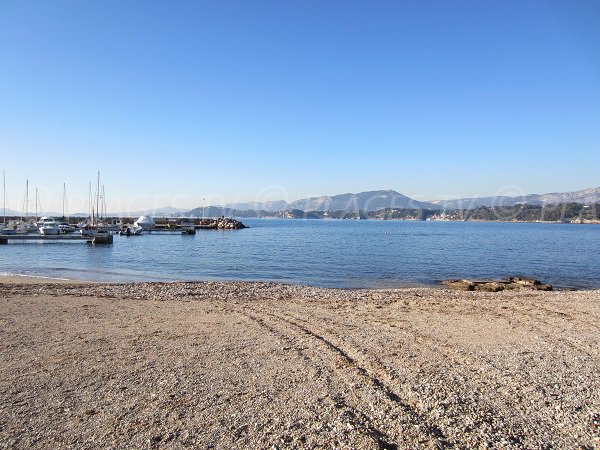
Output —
<point x="380" y="438"/>
<point x="353" y="375"/>
<point x="438" y="354"/>
<point x="479" y="375"/>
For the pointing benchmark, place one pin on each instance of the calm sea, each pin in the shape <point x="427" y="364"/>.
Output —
<point x="332" y="253"/>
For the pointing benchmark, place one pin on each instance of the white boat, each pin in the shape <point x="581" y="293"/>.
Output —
<point x="86" y="229"/>
<point x="50" y="228"/>
<point x="45" y="219"/>
<point x="111" y="225"/>
<point x="132" y="231"/>
<point x="146" y="222"/>
<point x="31" y="227"/>
<point x="66" y="228"/>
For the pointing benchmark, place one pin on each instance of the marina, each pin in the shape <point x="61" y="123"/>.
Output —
<point x="89" y="235"/>
<point x="97" y="227"/>
<point x="102" y="233"/>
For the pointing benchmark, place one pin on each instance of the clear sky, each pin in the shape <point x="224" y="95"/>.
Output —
<point x="177" y="101"/>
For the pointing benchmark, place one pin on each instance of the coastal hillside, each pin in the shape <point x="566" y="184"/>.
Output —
<point x="585" y="196"/>
<point x="389" y="199"/>
<point x="363" y="201"/>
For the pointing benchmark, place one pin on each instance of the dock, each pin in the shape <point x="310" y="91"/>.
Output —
<point x="4" y="238"/>
<point x="167" y="231"/>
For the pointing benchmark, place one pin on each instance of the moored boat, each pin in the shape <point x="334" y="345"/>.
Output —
<point x="188" y="227"/>
<point x="49" y="227"/>
<point x="132" y="231"/>
<point x="146" y="222"/>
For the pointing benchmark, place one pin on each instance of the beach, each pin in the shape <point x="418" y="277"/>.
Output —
<point x="265" y="365"/>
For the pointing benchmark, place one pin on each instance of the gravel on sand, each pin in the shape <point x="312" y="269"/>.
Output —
<point x="265" y="365"/>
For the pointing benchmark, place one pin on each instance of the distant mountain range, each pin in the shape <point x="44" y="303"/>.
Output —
<point x="585" y="196"/>
<point x="363" y="201"/>
<point x="376" y="200"/>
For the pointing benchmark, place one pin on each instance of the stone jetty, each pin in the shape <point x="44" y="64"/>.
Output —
<point x="221" y="223"/>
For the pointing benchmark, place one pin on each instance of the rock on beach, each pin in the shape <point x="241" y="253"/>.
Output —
<point x="509" y="283"/>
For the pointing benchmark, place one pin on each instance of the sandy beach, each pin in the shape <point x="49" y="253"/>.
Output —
<point x="264" y="365"/>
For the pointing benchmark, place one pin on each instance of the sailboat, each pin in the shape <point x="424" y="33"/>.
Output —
<point x="4" y="229"/>
<point x="64" y="226"/>
<point x="95" y="230"/>
<point x="30" y="226"/>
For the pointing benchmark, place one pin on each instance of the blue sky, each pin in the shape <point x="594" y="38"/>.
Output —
<point x="175" y="102"/>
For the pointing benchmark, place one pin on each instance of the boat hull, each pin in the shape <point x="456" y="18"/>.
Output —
<point x="49" y="231"/>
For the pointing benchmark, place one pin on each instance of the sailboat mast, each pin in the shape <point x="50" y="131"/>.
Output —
<point x="98" y="197"/>
<point x="4" y="183"/>
<point x="90" y="208"/>
<point x="66" y="202"/>
<point x="27" y="199"/>
<point x="64" y="194"/>
<point x="103" y="202"/>
<point x="36" y="204"/>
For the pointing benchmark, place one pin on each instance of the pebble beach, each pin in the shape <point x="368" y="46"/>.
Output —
<point x="265" y="365"/>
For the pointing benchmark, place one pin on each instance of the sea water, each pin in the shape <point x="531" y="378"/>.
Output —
<point x="331" y="253"/>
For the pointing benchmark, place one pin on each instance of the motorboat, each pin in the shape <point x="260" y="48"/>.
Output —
<point x="50" y="228"/>
<point x="87" y="229"/>
<point x="45" y="219"/>
<point x="146" y="222"/>
<point x="111" y="225"/>
<point x="66" y="228"/>
<point x="132" y="231"/>
<point x="31" y="227"/>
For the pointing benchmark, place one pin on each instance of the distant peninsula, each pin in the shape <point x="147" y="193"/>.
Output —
<point x="561" y="213"/>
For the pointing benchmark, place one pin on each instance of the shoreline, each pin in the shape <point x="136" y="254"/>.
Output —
<point x="34" y="279"/>
<point x="438" y="285"/>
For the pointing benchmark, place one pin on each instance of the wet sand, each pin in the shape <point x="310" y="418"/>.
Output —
<point x="263" y="365"/>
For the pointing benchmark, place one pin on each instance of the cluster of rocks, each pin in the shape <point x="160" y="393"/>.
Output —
<point x="509" y="283"/>
<point x="222" y="223"/>
<point x="227" y="223"/>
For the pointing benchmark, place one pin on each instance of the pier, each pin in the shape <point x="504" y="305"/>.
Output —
<point x="4" y="238"/>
